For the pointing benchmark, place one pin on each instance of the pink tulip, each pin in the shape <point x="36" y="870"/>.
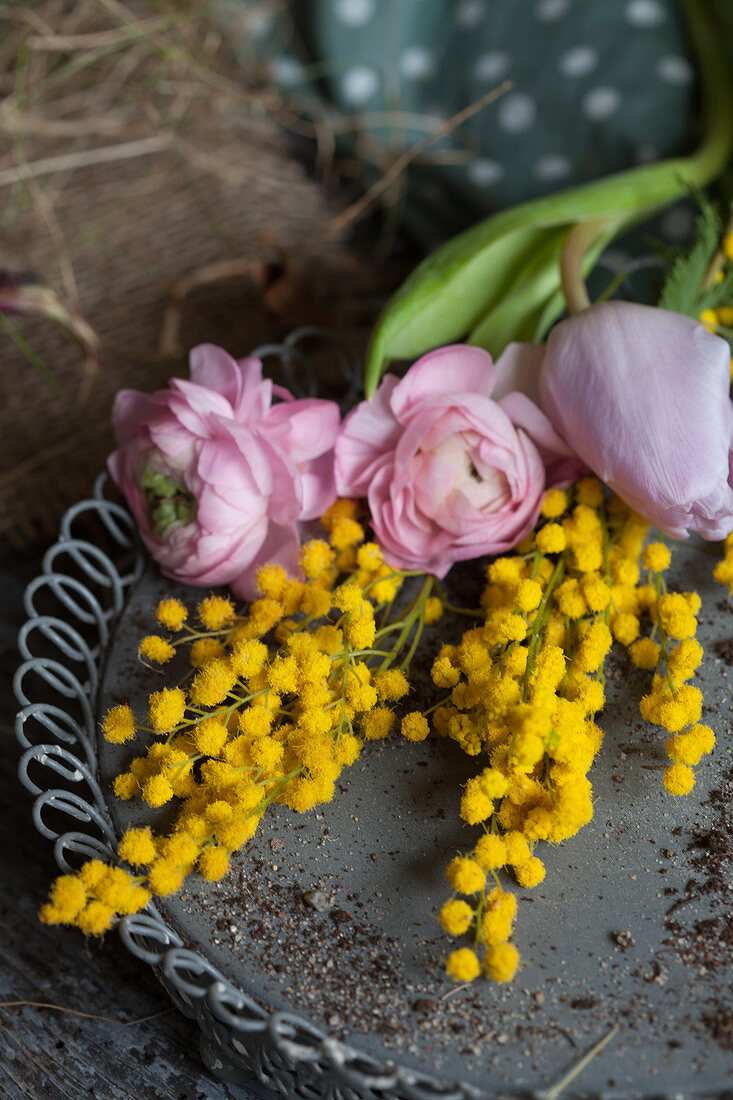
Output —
<point x="642" y="395"/>
<point x="449" y="473"/>
<point x="217" y="477"/>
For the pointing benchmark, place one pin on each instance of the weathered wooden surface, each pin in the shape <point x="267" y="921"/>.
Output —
<point x="47" y="1054"/>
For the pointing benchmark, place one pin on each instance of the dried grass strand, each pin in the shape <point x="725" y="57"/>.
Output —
<point x="125" y="150"/>
<point x="362" y="204"/>
<point x="62" y="42"/>
<point x="22" y="122"/>
<point x="87" y="1015"/>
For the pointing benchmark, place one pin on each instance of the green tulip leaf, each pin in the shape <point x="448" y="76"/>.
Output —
<point x="461" y="286"/>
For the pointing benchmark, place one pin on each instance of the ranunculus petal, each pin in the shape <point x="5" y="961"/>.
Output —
<point x="318" y="484"/>
<point x="517" y="391"/>
<point x="236" y="464"/>
<point x="456" y="368"/>
<point x="192" y="404"/>
<point x="282" y="546"/>
<point x="214" y="369"/>
<point x="170" y="439"/>
<point x="367" y="433"/>
<point x="562" y="465"/>
<point x="132" y="410"/>
<point x="240" y="383"/>
<point x="304" y="429"/>
<point x="462" y="413"/>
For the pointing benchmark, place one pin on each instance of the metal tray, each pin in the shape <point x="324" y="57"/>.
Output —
<point x="630" y="930"/>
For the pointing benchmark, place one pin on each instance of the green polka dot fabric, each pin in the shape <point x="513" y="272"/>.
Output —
<point x="597" y="86"/>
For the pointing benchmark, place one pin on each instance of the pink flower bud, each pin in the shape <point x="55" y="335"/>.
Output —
<point x="642" y="395"/>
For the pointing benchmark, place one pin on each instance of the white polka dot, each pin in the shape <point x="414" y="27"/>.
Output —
<point x="678" y="223"/>
<point x="359" y="84"/>
<point x="601" y="103"/>
<point x="484" y="172"/>
<point x="675" y="69"/>
<point x="469" y="13"/>
<point x="579" y="61"/>
<point x="549" y="11"/>
<point x="552" y="167"/>
<point x="260" y="23"/>
<point x="492" y="65"/>
<point x="645" y="13"/>
<point x="354" y="13"/>
<point x="516" y="112"/>
<point x="416" y="63"/>
<point x="286" y="70"/>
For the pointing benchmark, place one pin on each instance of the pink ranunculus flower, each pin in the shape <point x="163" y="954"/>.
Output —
<point x="449" y="472"/>
<point x="642" y="395"/>
<point x="216" y="476"/>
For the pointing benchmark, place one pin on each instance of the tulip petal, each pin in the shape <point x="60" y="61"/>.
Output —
<point x="518" y="370"/>
<point x="642" y="395"/>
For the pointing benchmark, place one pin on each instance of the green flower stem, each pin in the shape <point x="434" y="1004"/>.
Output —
<point x="660" y="589"/>
<point x="454" y="292"/>
<point x="577" y="243"/>
<point x="405" y="663"/>
<point x="415" y="614"/>
<point x="538" y="626"/>
<point x="390" y="576"/>
<point x="262" y="806"/>
<point x="196" y="635"/>
<point x="469" y="612"/>
<point x="441" y="703"/>
<point x="228" y="710"/>
<point x="364" y="653"/>
<point x="391" y="628"/>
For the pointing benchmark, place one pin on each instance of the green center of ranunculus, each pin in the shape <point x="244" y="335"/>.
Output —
<point x="169" y="504"/>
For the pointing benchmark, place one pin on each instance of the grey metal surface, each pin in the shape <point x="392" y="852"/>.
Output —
<point x="223" y="953"/>
<point x="597" y="949"/>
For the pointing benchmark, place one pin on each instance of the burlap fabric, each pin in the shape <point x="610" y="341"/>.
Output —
<point x="137" y="235"/>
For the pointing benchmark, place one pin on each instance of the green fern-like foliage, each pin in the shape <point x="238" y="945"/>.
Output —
<point x="683" y="288"/>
